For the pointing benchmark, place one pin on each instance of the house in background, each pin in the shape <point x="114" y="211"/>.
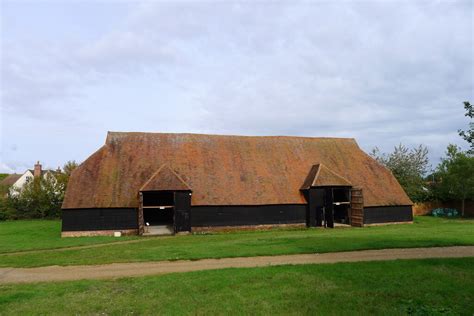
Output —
<point x="16" y="182"/>
<point x="10" y="180"/>
<point x="146" y="183"/>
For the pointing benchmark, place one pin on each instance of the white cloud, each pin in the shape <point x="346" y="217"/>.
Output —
<point x="380" y="72"/>
<point x="5" y="169"/>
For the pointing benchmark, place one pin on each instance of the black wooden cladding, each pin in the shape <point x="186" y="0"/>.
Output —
<point x="99" y="219"/>
<point x="182" y="215"/>
<point x="329" y="207"/>
<point x="248" y="215"/>
<point x="315" y="207"/>
<point x="199" y="216"/>
<point x="387" y="214"/>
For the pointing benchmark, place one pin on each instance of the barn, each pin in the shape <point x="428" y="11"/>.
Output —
<point x="165" y="183"/>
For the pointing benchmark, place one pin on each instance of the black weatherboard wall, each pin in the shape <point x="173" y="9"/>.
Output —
<point x="182" y="213"/>
<point x="387" y="214"/>
<point x="99" y="219"/>
<point x="248" y="215"/>
<point x="201" y="216"/>
<point x="315" y="199"/>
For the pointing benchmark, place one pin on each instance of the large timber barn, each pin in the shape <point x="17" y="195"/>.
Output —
<point x="140" y="183"/>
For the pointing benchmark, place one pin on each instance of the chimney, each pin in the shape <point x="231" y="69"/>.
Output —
<point x="37" y="171"/>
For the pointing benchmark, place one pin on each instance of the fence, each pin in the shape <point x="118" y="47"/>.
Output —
<point x="426" y="207"/>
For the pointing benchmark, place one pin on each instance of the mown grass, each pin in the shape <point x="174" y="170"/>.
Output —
<point x="425" y="232"/>
<point x="416" y="287"/>
<point x="42" y="234"/>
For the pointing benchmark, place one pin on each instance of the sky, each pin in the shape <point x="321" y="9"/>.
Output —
<point x="382" y="72"/>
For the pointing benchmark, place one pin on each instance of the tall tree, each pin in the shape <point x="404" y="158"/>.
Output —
<point x="409" y="166"/>
<point x="456" y="176"/>
<point x="39" y="198"/>
<point x="468" y="134"/>
<point x="68" y="168"/>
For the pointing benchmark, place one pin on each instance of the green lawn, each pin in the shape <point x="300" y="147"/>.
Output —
<point x="42" y="234"/>
<point x="425" y="232"/>
<point x="416" y="287"/>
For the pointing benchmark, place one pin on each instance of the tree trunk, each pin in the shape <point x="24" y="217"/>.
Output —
<point x="462" y="207"/>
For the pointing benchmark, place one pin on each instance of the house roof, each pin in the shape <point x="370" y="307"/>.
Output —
<point x="165" y="178"/>
<point x="321" y="176"/>
<point x="10" y="179"/>
<point x="44" y="171"/>
<point x="225" y="170"/>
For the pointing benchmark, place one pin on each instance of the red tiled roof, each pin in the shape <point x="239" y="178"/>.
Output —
<point x="165" y="179"/>
<point x="225" y="170"/>
<point x="10" y="179"/>
<point x="321" y="176"/>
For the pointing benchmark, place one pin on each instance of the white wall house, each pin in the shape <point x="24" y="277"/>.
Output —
<point x="29" y="176"/>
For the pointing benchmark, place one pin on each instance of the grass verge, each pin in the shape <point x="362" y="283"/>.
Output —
<point x="425" y="232"/>
<point x="417" y="287"/>
<point x="27" y="235"/>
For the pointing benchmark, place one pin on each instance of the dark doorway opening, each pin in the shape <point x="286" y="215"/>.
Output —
<point x="158" y="198"/>
<point x="158" y="208"/>
<point x="341" y="205"/>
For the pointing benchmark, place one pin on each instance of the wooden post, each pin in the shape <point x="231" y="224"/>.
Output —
<point x="141" y="222"/>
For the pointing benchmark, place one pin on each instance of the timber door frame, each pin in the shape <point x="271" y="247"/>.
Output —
<point x="181" y="212"/>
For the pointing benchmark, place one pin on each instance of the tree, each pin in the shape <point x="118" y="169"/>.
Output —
<point x="456" y="176"/>
<point x="468" y="135"/>
<point x="68" y="168"/>
<point x="39" y="198"/>
<point x="409" y="166"/>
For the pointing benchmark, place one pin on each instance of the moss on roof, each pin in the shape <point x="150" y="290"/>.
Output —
<point x="225" y="170"/>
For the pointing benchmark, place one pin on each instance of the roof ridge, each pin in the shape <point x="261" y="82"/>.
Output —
<point x="117" y="135"/>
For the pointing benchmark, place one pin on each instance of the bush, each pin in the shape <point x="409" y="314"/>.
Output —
<point x="445" y="212"/>
<point x="6" y="210"/>
<point x="39" y="198"/>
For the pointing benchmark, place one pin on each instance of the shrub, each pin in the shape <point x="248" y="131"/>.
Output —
<point x="445" y="212"/>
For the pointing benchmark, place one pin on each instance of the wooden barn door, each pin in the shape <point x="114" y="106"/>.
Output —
<point x="357" y="208"/>
<point x="329" y="208"/>
<point x="182" y="212"/>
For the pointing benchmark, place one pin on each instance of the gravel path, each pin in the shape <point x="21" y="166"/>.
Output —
<point x="117" y="270"/>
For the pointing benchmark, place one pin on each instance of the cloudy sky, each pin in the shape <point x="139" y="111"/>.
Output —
<point x="383" y="72"/>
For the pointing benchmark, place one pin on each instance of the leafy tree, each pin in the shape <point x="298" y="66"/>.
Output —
<point x="68" y="168"/>
<point x="39" y="198"/>
<point x="456" y="176"/>
<point x="409" y="166"/>
<point x="468" y="135"/>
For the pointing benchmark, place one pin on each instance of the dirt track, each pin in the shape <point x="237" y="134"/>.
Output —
<point x="116" y="270"/>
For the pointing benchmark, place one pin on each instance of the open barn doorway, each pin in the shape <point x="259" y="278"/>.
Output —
<point x="158" y="212"/>
<point x="341" y="205"/>
<point x="337" y="205"/>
